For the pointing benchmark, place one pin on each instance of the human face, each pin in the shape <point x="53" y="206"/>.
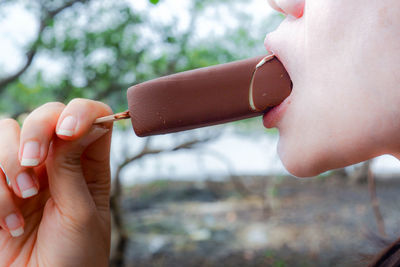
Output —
<point x="344" y="61"/>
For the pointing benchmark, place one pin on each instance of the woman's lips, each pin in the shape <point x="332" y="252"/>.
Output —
<point x="275" y="114"/>
<point x="267" y="44"/>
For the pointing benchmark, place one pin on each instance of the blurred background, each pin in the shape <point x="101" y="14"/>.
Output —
<point x="216" y="196"/>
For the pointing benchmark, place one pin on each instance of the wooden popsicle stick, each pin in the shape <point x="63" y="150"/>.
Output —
<point x="115" y="117"/>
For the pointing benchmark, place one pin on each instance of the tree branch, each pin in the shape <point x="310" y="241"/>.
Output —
<point x="31" y="53"/>
<point x="117" y="258"/>
<point x="29" y="59"/>
<point x="375" y="203"/>
<point x="52" y="13"/>
<point x="147" y="151"/>
<point x="236" y="180"/>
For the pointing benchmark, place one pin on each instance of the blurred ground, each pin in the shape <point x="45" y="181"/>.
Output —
<point x="284" y="222"/>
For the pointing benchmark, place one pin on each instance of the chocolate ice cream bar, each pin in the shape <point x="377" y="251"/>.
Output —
<point x="207" y="96"/>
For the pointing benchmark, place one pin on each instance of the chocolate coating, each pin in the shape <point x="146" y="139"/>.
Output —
<point x="207" y="96"/>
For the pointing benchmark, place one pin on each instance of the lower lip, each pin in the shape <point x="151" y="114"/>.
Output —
<point x="274" y="115"/>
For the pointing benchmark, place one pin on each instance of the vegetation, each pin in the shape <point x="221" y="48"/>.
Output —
<point x="100" y="48"/>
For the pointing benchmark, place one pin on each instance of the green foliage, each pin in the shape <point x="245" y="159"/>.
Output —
<point x="104" y="47"/>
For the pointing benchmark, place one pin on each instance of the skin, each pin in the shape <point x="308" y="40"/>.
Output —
<point x="67" y="223"/>
<point x="343" y="57"/>
<point x="344" y="61"/>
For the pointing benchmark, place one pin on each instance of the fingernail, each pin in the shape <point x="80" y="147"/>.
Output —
<point x="5" y="174"/>
<point x="26" y="185"/>
<point x="31" y="154"/>
<point x="14" y="225"/>
<point x="95" y="133"/>
<point x="67" y="127"/>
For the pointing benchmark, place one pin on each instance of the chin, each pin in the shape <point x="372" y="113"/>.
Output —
<point x="302" y="161"/>
<point x="303" y="164"/>
<point x="300" y="170"/>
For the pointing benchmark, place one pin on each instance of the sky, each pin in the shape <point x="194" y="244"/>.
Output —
<point x="18" y="27"/>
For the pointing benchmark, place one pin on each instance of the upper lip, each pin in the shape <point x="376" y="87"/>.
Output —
<point x="271" y="49"/>
<point x="268" y="45"/>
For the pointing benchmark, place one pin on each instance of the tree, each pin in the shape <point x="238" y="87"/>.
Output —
<point x="102" y="50"/>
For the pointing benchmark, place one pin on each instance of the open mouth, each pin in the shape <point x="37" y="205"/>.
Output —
<point x="270" y="84"/>
<point x="274" y="114"/>
<point x="251" y="89"/>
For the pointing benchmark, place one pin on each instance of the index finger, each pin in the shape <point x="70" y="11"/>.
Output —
<point x="37" y="132"/>
<point x="78" y="117"/>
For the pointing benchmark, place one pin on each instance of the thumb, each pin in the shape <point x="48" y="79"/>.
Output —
<point x="67" y="183"/>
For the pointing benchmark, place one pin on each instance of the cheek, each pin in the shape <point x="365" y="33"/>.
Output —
<point x="317" y="138"/>
<point x="310" y="153"/>
<point x="317" y="133"/>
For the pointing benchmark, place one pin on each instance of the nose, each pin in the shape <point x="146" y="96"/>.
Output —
<point x="294" y="8"/>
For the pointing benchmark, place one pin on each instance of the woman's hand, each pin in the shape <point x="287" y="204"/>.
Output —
<point x="55" y="211"/>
